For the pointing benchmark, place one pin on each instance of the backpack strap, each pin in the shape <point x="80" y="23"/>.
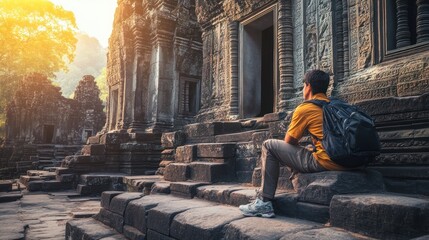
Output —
<point x="321" y="104"/>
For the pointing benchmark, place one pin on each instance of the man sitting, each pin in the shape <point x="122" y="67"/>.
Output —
<point x="276" y="153"/>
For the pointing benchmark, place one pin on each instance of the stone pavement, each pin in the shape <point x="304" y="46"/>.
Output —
<point x="42" y="215"/>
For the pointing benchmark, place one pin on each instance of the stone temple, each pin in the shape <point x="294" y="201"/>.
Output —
<point x="195" y="87"/>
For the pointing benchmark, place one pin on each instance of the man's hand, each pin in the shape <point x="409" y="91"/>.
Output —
<point x="291" y="140"/>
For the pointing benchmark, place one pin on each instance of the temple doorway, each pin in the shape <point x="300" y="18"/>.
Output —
<point x="48" y="133"/>
<point x="258" y="65"/>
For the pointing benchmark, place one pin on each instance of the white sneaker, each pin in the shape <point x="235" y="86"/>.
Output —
<point x="258" y="208"/>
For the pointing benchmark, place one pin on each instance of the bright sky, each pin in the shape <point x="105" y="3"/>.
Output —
<point x="93" y="17"/>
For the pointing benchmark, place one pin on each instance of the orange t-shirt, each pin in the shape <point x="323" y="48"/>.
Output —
<point x="308" y="116"/>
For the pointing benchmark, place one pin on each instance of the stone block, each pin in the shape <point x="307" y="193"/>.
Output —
<point x="86" y="190"/>
<point x="5" y="186"/>
<point x="10" y="197"/>
<point x="234" y="137"/>
<point x="119" y="203"/>
<point x="271" y="117"/>
<point x="66" y="178"/>
<point x="35" y="186"/>
<point x="160" y="217"/>
<point x="278" y="129"/>
<point x="208" y="172"/>
<point x="114" y="138"/>
<point x="87" y="228"/>
<point x="177" y="172"/>
<point x="111" y="219"/>
<point x="186" y="154"/>
<point x="136" y="212"/>
<point x="218" y="193"/>
<point x="107" y="196"/>
<point x="157" y="236"/>
<point x="54" y="185"/>
<point x="61" y="170"/>
<point x="246" y="164"/>
<point x="146" y="137"/>
<point x="385" y="216"/>
<point x="312" y="212"/>
<point x="258" y="138"/>
<point x="266" y="228"/>
<point x="286" y="204"/>
<point x="244" y="176"/>
<point x="402" y="171"/>
<point x="93" y="149"/>
<point x="173" y="139"/>
<point x="161" y="187"/>
<point x="93" y="140"/>
<point x="95" y="180"/>
<point x="185" y="189"/>
<point x="210" y="129"/>
<point x="165" y="163"/>
<point x="257" y="177"/>
<point x="215" y="150"/>
<point x="320" y="187"/>
<point x="193" y="224"/>
<point x="240" y="197"/>
<point x="324" y="234"/>
<point x="133" y="233"/>
<point x="245" y="150"/>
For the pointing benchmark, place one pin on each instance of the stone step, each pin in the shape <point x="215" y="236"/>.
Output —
<point x="50" y="185"/>
<point x="166" y="217"/>
<point x="236" y="137"/>
<point x="10" y="196"/>
<point x="199" y="132"/>
<point x="140" y="183"/>
<point x="94" y="149"/>
<point x="385" y="216"/>
<point x="199" y="152"/>
<point x="5" y="185"/>
<point x="198" y="171"/>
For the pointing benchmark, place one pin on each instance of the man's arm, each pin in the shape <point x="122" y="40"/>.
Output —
<point x="291" y="140"/>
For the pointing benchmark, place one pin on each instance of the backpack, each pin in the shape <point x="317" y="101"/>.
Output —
<point x="349" y="135"/>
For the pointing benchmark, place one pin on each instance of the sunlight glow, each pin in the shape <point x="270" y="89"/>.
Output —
<point x="93" y="17"/>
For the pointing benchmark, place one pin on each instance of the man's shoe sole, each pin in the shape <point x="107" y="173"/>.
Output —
<point x="264" y="215"/>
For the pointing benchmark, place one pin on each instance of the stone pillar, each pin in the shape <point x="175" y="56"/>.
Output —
<point x="346" y="57"/>
<point x="422" y="21"/>
<point x="234" y="51"/>
<point x="285" y="51"/>
<point x="403" y="35"/>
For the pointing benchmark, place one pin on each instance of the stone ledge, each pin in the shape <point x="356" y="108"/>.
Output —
<point x="88" y="228"/>
<point x="320" y="187"/>
<point x="386" y="216"/>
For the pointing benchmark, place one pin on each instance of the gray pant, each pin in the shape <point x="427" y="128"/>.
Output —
<point x="276" y="153"/>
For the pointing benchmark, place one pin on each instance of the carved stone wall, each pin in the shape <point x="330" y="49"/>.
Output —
<point x="39" y="114"/>
<point x="152" y="46"/>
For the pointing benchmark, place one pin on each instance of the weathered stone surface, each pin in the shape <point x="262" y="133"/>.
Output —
<point x="140" y="183"/>
<point x="177" y="172"/>
<point x="157" y="236"/>
<point x="173" y="139"/>
<point x="402" y="171"/>
<point x="5" y="186"/>
<point x="160" y="217"/>
<point x="111" y="219"/>
<point x="66" y="178"/>
<point x="114" y="138"/>
<point x="381" y="215"/>
<point x="323" y="234"/>
<point x="240" y="197"/>
<point x="135" y="214"/>
<point x="215" y="150"/>
<point x="208" y="172"/>
<point x="119" y="203"/>
<point x="93" y="149"/>
<point x="86" y="190"/>
<point x="257" y="177"/>
<point x="271" y="117"/>
<point x="234" y="137"/>
<point x="264" y="228"/>
<point x="218" y="193"/>
<point x="211" y="129"/>
<point x="107" y="196"/>
<point x="87" y="229"/>
<point x="161" y="187"/>
<point x="133" y="233"/>
<point x="186" y="154"/>
<point x="10" y="196"/>
<point x="286" y="204"/>
<point x="320" y="187"/>
<point x="312" y="212"/>
<point x="185" y="189"/>
<point x="193" y="224"/>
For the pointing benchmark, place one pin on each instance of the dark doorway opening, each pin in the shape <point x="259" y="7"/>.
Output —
<point x="267" y="83"/>
<point x="258" y="66"/>
<point x="48" y="133"/>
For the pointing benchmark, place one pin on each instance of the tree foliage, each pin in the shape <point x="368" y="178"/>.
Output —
<point x="35" y="36"/>
<point x="101" y="81"/>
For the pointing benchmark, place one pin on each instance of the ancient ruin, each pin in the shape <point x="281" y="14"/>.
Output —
<point x="195" y="87"/>
<point x="43" y="127"/>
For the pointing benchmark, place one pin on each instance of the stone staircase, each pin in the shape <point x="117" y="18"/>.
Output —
<point x="51" y="155"/>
